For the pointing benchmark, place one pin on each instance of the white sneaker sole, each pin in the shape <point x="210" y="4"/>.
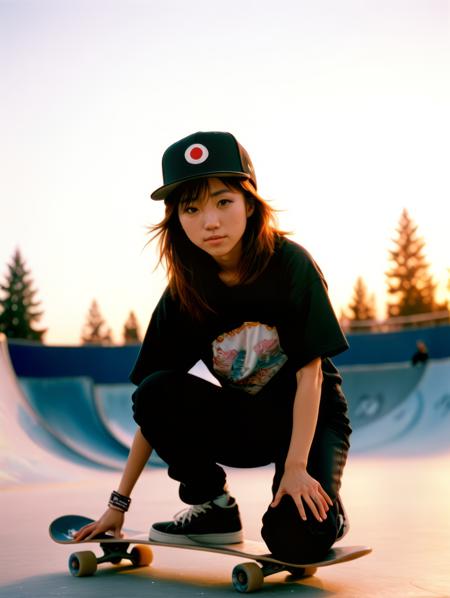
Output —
<point x="225" y="538"/>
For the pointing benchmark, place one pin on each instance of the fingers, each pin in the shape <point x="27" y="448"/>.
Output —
<point x="316" y="509"/>
<point x="84" y="532"/>
<point x="316" y="501"/>
<point x="321" y="504"/>
<point x="88" y="532"/>
<point x="276" y="501"/>
<point x="110" y="521"/>
<point x="93" y="534"/>
<point x="300" y="507"/>
<point x="316" y="504"/>
<point x="305" y="492"/>
<point x="325" y="496"/>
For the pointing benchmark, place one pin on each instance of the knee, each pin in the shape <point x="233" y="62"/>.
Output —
<point x="290" y="538"/>
<point x="152" y="395"/>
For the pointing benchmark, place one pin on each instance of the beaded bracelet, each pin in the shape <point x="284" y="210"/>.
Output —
<point x="119" y="502"/>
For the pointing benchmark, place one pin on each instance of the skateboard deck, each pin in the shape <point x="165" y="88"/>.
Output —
<point x="246" y="577"/>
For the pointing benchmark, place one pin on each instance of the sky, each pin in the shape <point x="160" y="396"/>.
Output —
<point x="343" y="107"/>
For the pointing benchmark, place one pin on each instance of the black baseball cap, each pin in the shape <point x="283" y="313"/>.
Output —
<point x="201" y="155"/>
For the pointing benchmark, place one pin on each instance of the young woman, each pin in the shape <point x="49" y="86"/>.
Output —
<point x="253" y="306"/>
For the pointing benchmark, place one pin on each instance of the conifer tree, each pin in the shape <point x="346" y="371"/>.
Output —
<point x="447" y="299"/>
<point x="95" y="331"/>
<point x="362" y="307"/>
<point x="410" y="283"/>
<point x="18" y="309"/>
<point x="131" y="333"/>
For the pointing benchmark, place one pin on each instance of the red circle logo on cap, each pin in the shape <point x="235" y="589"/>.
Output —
<point x="196" y="153"/>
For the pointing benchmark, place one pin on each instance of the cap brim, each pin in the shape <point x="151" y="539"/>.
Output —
<point x="165" y="190"/>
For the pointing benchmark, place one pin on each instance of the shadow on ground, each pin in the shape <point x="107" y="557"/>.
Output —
<point x="157" y="583"/>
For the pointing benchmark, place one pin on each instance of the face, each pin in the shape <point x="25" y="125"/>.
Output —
<point x="216" y="222"/>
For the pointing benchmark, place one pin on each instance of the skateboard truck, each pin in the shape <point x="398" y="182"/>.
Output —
<point x="85" y="562"/>
<point x="249" y="577"/>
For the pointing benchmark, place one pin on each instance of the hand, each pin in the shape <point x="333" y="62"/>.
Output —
<point x="297" y="483"/>
<point x="111" y="521"/>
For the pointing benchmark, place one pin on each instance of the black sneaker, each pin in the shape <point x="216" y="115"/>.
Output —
<point x="342" y="519"/>
<point x="213" y="522"/>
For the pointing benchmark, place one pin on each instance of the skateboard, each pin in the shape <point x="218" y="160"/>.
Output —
<point x="246" y="577"/>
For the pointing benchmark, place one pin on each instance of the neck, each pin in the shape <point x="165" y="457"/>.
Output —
<point x="229" y="264"/>
<point x="229" y="277"/>
<point x="229" y="271"/>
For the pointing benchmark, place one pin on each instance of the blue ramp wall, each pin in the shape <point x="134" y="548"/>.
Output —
<point x="103" y="365"/>
<point x="111" y="365"/>
<point x="395" y="347"/>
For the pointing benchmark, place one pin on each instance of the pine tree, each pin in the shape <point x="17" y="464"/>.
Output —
<point x="18" y="310"/>
<point x="131" y="333"/>
<point x="362" y="308"/>
<point x="447" y="299"/>
<point x="95" y="330"/>
<point x="410" y="283"/>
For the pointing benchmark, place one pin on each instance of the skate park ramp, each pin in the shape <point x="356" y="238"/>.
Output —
<point x="75" y="421"/>
<point x="373" y="391"/>
<point x="399" y="410"/>
<point x="72" y="411"/>
<point x="59" y="428"/>
<point x="66" y="406"/>
<point x="51" y="430"/>
<point x="418" y="425"/>
<point x="112" y="402"/>
<point x="28" y="453"/>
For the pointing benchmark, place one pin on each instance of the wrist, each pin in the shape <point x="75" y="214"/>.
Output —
<point x="296" y="464"/>
<point x="119" y="502"/>
<point x="112" y="508"/>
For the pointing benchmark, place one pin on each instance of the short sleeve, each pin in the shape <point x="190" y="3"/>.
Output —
<point x="170" y="342"/>
<point x="310" y="328"/>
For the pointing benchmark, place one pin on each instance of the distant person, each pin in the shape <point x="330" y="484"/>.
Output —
<point x="253" y="306"/>
<point x="421" y="356"/>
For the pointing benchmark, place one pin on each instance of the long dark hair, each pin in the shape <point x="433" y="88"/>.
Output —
<point x="183" y="260"/>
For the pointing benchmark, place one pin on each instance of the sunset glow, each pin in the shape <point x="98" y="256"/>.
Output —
<point x="343" y="108"/>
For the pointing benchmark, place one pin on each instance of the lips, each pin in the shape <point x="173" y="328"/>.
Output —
<point x="215" y="238"/>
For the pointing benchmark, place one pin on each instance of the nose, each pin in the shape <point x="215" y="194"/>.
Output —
<point x="211" y="219"/>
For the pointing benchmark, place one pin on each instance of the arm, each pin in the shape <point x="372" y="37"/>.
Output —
<point x="296" y="481"/>
<point x="139" y="455"/>
<point x="112" y="519"/>
<point x="306" y="408"/>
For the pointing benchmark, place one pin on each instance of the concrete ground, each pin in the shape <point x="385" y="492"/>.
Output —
<point x="401" y="508"/>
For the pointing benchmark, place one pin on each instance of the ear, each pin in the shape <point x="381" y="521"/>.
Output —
<point x="250" y="206"/>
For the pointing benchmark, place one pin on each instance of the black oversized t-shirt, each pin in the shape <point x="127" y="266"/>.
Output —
<point x="259" y="334"/>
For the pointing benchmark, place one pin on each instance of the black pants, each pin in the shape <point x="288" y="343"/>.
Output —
<point x="194" y="425"/>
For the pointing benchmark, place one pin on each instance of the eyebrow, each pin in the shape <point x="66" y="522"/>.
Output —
<point x="189" y="201"/>
<point x="220" y="191"/>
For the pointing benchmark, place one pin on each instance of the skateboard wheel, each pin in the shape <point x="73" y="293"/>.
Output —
<point x="82" y="564"/>
<point x="141" y="555"/>
<point x="247" y="577"/>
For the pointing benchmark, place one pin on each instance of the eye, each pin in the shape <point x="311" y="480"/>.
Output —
<point x="224" y="202"/>
<point x="189" y="209"/>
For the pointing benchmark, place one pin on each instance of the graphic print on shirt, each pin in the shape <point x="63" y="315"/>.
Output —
<point x="249" y="356"/>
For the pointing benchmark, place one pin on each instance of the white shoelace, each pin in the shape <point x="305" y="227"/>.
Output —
<point x="186" y="515"/>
